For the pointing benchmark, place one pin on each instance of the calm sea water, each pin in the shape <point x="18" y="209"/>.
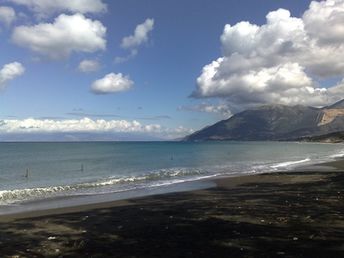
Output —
<point x="38" y="171"/>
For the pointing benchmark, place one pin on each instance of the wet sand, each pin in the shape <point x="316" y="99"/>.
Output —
<point x="286" y="214"/>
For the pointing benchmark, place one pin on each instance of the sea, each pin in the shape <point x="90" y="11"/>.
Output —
<point x="43" y="175"/>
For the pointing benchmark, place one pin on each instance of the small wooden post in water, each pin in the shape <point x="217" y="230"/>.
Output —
<point x="82" y="168"/>
<point x="27" y="173"/>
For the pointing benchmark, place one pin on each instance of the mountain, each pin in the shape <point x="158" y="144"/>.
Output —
<point x="275" y="122"/>
<point x="337" y="105"/>
<point x="325" y="138"/>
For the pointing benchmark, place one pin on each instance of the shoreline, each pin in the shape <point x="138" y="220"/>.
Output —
<point x="282" y="214"/>
<point x="74" y="193"/>
<point x="106" y="200"/>
<point x="109" y="200"/>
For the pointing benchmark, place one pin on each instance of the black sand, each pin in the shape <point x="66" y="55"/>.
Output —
<point x="290" y="214"/>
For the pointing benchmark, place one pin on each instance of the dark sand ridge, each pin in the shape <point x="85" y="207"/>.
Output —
<point x="286" y="214"/>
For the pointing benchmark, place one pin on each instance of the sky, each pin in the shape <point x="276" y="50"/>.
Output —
<point x="150" y="69"/>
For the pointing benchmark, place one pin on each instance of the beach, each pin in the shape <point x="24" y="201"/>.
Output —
<point x="283" y="214"/>
<point x="172" y="129"/>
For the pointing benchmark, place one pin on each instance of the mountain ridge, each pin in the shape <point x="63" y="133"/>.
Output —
<point x="275" y="122"/>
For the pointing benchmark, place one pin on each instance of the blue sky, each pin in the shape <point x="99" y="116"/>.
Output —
<point x="161" y="67"/>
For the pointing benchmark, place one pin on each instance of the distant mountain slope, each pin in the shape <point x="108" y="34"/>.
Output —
<point x="326" y="138"/>
<point x="339" y="104"/>
<point x="275" y="122"/>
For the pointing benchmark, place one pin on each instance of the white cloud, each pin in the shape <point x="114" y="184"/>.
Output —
<point x="9" y="72"/>
<point x="112" y="83"/>
<point x="221" y="109"/>
<point x="74" y="125"/>
<point x="7" y="15"/>
<point x="140" y="35"/>
<point x="88" y="125"/>
<point x="133" y="42"/>
<point x="121" y="59"/>
<point x="175" y="133"/>
<point x="44" y="8"/>
<point x="280" y="61"/>
<point x="87" y="66"/>
<point x="67" y="34"/>
<point x="324" y="21"/>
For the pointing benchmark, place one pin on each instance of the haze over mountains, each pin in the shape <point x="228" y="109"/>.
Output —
<point x="276" y="122"/>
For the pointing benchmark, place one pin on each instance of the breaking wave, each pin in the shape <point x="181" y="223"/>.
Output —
<point x="153" y="179"/>
<point x="290" y="163"/>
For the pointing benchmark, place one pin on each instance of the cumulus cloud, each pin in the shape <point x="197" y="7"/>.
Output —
<point x="87" y="125"/>
<point x="140" y="35"/>
<point x="112" y="83"/>
<point x="44" y="8"/>
<point x="324" y="21"/>
<point x="133" y="42"/>
<point x="9" y="72"/>
<point x="281" y="61"/>
<point x="7" y="15"/>
<point x="67" y="34"/>
<point x="87" y="66"/>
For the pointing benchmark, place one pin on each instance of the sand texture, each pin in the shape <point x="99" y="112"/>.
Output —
<point x="289" y="214"/>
